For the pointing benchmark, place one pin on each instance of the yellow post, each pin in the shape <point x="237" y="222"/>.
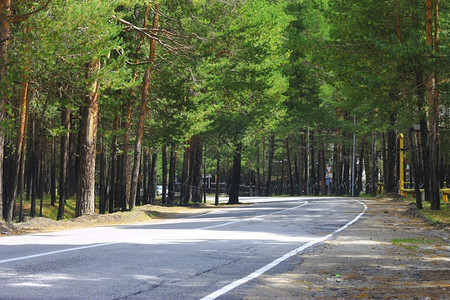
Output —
<point x="402" y="156"/>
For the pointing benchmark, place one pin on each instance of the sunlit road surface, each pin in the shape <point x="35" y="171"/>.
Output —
<point x="211" y="256"/>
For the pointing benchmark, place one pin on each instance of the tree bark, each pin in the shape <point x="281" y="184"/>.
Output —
<point x="152" y="179"/>
<point x="258" y="172"/>
<point x="301" y="165"/>
<point x="197" y="170"/>
<point x="53" y="171"/>
<point x="143" y="108"/>
<point x="313" y="177"/>
<point x="145" y="186"/>
<point x="43" y="167"/>
<point x="322" y="171"/>
<point x="414" y="168"/>
<point x="102" y="192"/>
<point x="5" y="33"/>
<point x="64" y="161"/>
<point x="216" y="198"/>
<point x="359" y="188"/>
<point x="235" y="176"/>
<point x="34" y="166"/>
<point x="185" y="195"/>
<point x="433" y="105"/>
<point x="114" y="162"/>
<point x="20" y="149"/>
<point x="164" y="174"/>
<point x="171" y="188"/>
<point x="391" y="165"/>
<point x="289" y="165"/>
<point x="86" y="177"/>
<point x="270" y="165"/>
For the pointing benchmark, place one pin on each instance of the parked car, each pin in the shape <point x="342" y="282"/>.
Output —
<point x="159" y="190"/>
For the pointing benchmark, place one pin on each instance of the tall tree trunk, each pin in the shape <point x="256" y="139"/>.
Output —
<point x="205" y="183"/>
<point x="74" y="157"/>
<point x="64" y="161"/>
<point x="263" y="182"/>
<point x="86" y="177"/>
<point x="322" y="172"/>
<point x="384" y="159"/>
<point x="34" y="166"/>
<point x="270" y="165"/>
<point x="171" y="188"/>
<point x="5" y="33"/>
<point x="391" y="178"/>
<point x="313" y="177"/>
<point x="164" y="174"/>
<point x="43" y="167"/>
<point x="235" y="176"/>
<point x="22" y="163"/>
<point x="289" y="165"/>
<point x="414" y="168"/>
<point x="114" y="162"/>
<point x="185" y="195"/>
<point x="301" y="165"/>
<point x="102" y="192"/>
<point x="53" y="170"/>
<point x="197" y="170"/>
<point x="433" y="105"/>
<point x="152" y="179"/>
<point x="360" y="169"/>
<point x="143" y="108"/>
<point x="216" y="198"/>
<point x="146" y="162"/>
<point x="20" y="149"/>
<point x="125" y="176"/>
<point x="345" y="171"/>
<point x="338" y="177"/>
<point x="258" y="172"/>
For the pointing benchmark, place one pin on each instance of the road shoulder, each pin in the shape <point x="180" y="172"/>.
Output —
<point x="387" y="254"/>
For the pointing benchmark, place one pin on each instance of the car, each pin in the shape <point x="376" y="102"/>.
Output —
<point x="159" y="190"/>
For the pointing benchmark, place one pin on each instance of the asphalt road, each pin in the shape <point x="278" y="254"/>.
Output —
<point x="215" y="255"/>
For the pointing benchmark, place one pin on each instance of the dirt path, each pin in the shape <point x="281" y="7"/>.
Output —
<point x="387" y="255"/>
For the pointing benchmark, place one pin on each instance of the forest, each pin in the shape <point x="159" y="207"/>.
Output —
<point x="104" y="100"/>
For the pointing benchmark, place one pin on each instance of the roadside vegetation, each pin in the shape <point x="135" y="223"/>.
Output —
<point x="441" y="216"/>
<point x="103" y="100"/>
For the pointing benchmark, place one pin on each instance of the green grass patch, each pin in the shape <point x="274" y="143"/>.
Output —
<point x="413" y="243"/>
<point x="440" y="216"/>
<point x="51" y="212"/>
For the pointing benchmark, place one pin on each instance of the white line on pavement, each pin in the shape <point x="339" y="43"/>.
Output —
<point x="252" y="218"/>
<point x="274" y="263"/>
<point x="113" y="243"/>
<point x="56" y="252"/>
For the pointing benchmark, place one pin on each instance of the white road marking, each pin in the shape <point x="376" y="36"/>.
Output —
<point x="113" y="243"/>
<point x="56" y="252"/>
<point x="276" y="262"/>
<point x="252" y="218"/>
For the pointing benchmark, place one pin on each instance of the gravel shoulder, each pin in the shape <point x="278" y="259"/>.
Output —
<point x="389" y="254"/>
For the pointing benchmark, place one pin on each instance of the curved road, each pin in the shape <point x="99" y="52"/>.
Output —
<point x="211" y="256"/>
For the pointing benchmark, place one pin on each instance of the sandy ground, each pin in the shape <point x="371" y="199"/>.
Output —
<point x="363" y="263"/>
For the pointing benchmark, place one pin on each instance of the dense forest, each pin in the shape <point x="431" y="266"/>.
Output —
<point x="103" y="100"/>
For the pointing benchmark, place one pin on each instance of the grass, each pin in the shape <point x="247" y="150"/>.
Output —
<point x="413" y="243"/>
<point x="51" y="212"/>
<point x="439" y="216"/>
